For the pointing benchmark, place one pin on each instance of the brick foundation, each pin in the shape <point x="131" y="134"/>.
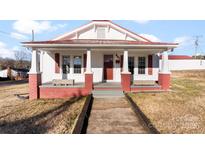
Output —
<point x="164" y="80"/>
<point x="34" y="82"/>
<point x="126" y="81"/>
<point x="60" y="92"/>
<point x="89" y="81"/>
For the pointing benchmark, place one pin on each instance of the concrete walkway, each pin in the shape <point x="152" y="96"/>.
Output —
<point x="114" y="115"/>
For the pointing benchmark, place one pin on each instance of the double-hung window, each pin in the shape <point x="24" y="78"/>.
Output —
<point x="66" y="64"/>
<point x="77" y="64"/>
<point x="141" y="65"/>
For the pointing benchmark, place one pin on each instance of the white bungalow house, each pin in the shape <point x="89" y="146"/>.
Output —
<point x="99" y="55"/>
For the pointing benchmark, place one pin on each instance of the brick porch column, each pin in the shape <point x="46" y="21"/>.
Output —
<point x="88" y="73"/>
<point x="34" y="76"/>
<point x="164" y="74"/>
<point x="125" y="75"/>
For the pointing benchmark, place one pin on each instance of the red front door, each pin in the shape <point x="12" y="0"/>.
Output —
<point x="108" y="67"/>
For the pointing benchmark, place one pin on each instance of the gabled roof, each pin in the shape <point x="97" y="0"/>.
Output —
<point x="68" y="39"/>
<point x="117" y="27"/>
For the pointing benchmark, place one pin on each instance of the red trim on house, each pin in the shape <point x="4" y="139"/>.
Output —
<point x="178" y="57"/>
<point x="57" y="63"/>
<point x="150" y="61"/>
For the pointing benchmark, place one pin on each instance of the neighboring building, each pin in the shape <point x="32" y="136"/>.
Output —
<point x="12" y="73"/>
<point x="100" y="51"/>
<point x="184" y="62"/>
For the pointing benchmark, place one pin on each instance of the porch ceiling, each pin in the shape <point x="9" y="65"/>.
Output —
<point x="131" y="50"/>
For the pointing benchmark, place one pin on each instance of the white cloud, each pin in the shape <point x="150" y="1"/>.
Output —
<point x="183" y="40"/>
<point x="26" y="26"/>
<point x="141" y="21"/>
<point x="150" y="37"/>
<point x="61" y="25"/>
<point x="5" y="52"/>
<point x="18" y="36"/>
<point x="2" y="44"/>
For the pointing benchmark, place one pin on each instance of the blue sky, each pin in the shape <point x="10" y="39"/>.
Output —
<point x="181" y="31"/>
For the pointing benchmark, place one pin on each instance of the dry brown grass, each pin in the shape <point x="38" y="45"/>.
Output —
<point x="182" y="110"/>
<point x="39" y="116"/>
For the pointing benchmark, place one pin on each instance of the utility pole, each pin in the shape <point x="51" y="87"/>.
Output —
<point x="32" y="35"/>
<point x="196" y="44"/>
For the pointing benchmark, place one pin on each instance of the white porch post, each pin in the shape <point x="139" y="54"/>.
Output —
<point x="88" y="63"/>
<point x="165" y="63"/>
<point x="34" y="62"/>
<point x="125" y="62"/>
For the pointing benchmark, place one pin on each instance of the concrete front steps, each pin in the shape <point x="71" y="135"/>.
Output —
<point x="107" y="93"/>
<point x="107" y="89"/>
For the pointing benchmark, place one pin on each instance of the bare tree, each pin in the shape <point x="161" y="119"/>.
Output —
<point x="21" y="56"/>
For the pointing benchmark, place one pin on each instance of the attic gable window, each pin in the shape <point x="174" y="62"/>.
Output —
<point x="101" y="32"/>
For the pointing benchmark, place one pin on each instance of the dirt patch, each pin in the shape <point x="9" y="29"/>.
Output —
<point x="39" y="116"/>
<point x="180" y="111"/>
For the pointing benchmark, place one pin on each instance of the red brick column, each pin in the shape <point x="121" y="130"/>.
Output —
<point x="89" y="81"/>
<point x="126" y="81"/>
<point x="34" y="82"/>
<point x="164" y="80"/>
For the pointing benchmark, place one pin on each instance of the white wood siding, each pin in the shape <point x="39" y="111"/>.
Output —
<point x="110" y="33"/>
<point x="48" y="66"/>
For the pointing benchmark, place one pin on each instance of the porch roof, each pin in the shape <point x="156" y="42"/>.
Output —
<point x="97" y="43"/>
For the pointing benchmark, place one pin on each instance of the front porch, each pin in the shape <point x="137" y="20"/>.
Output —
<point x="48" y="90"/>
<point x="89" y="72"/>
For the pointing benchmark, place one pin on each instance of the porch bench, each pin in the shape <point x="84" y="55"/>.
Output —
<point x="144" y="82"/>
<point x="62" y="82"/>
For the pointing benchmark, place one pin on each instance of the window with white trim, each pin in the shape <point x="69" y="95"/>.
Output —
<point x="141" y="65"/>
<point x="66" y="64"/>
<point x="101" y="32"/>
<point x="131" y="64"/>
<point x="77" y="64"/>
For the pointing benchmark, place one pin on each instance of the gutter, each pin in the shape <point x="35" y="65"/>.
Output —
<point x="97" y="45"/>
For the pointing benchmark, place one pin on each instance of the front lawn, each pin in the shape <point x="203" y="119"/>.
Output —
<point x="182" y="110"/>
<point x="38" y="116"/>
